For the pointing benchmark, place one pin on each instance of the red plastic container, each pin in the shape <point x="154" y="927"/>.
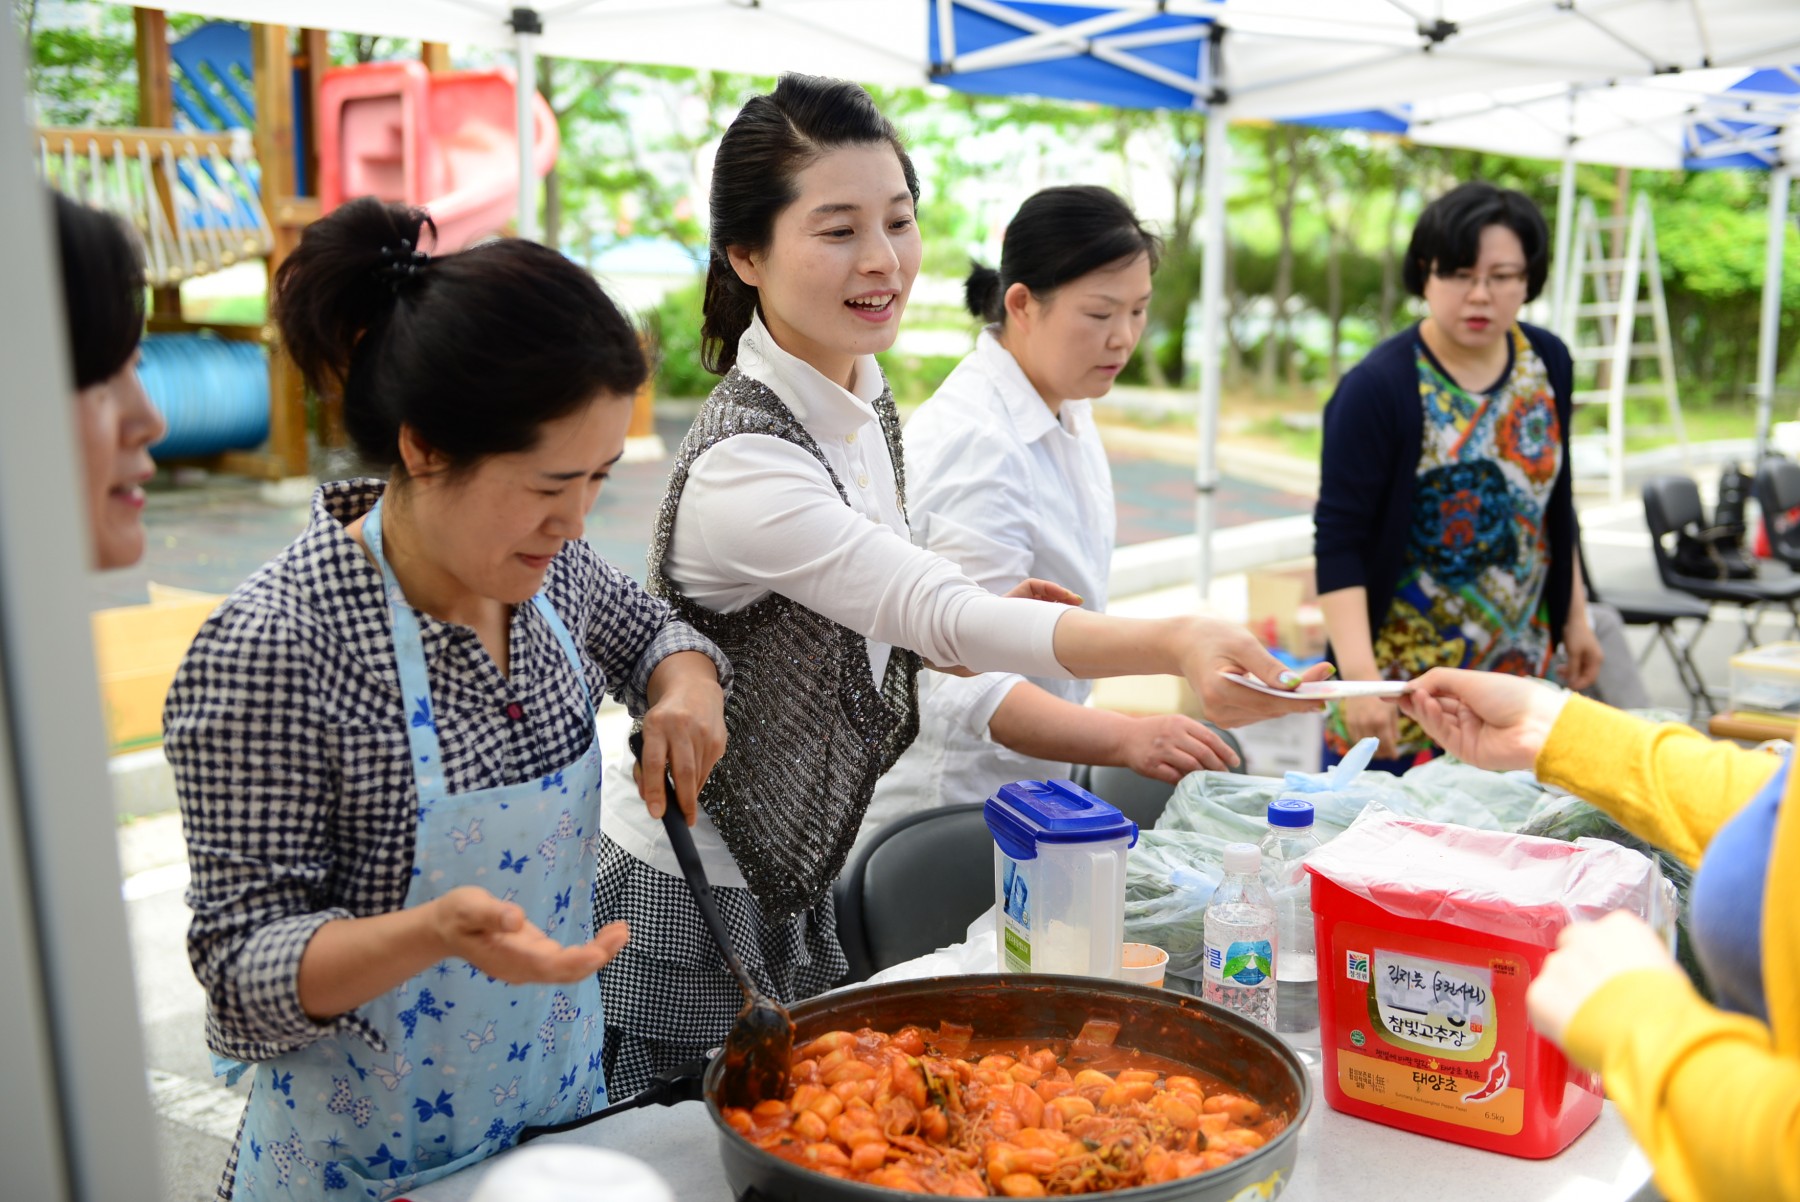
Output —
<point x="1428" y="935"/>
<point x="1461" y="1063"/>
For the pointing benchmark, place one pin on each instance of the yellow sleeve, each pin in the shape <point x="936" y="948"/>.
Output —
<point x="1666" y="783"/>
<point x="1710" y="1101"/>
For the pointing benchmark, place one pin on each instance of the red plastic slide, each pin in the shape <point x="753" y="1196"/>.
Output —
<point x="445" y="142"/>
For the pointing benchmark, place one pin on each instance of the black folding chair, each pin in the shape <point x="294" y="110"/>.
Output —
<point x="1665" y="611"/>
<point x="914" y="887"/>
<point x="1777" y="492"/>
<point x="1671" y="504"/>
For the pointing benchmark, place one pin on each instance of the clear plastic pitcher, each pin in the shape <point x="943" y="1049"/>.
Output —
<point x="1059" y="878"/>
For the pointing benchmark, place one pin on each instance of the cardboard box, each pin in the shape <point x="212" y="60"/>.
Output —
<point x="1146" y="695"/>
<point x="1282" y="610"/>
<point x="137" y="649"/>
<point x="1295" y="743"/>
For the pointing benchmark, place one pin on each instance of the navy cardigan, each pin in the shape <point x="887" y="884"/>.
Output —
<point x="1374" y="430"/>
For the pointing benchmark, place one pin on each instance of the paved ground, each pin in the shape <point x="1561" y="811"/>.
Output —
<point x="210" y="533"/>
<point x="209" y="537"/>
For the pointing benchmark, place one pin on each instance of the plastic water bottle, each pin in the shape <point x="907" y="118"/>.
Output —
<point x="1290" y="840"/>
<point x="1241" y="939"/>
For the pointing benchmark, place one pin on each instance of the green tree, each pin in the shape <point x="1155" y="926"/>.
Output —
<point x="634" y="140"/>
<point x="85" y="75"/>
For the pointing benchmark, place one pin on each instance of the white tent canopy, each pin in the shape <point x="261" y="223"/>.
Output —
<point x="1626" y="123"/>
<point x="1259" y="58"/>
<point x="1699" y="120"/>
<point x="1280" y="57"/>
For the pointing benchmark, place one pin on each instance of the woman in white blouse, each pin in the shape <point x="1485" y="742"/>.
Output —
<point x="784" y="538"/>
<point x="1010" y="481"/>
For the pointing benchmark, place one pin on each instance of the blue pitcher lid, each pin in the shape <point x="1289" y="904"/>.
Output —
<point x="1029" y="812"/>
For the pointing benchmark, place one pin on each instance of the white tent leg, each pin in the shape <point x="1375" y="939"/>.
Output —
<point x="1769" y="337"/>
<point x="1212" y="336"/>
<point x="526" y="28"/>
<point x="1560" y="304"/>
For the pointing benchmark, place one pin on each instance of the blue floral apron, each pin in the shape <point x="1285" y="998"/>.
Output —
<point x="470" y="1060"/>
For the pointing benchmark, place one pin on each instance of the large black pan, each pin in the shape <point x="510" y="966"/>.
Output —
<point x="1163" y="1023"/>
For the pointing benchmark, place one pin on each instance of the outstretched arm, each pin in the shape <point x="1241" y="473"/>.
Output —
<point x="1666" y="783"/>
<point x="1164" y="747"/>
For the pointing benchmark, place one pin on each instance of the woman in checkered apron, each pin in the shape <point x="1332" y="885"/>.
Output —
<point x="384" y="740"/>
<point x="783" y="538"/>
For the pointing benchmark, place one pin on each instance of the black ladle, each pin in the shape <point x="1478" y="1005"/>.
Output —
<point x="760" y="1044"/>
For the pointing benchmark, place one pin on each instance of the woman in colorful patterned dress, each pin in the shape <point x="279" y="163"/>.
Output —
<point x="383" y="741"/>
<point x="1445" y="530"/>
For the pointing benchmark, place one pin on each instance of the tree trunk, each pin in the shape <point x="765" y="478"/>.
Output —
<point x="1390" y="254"/>
<point x="1329" y="181"/>
<point x="1173" y="320"/>
<point x="1284" y="187"/>
<point x="553" y="199"/>
<point x="1234" y="348"/>
<point x="1334" y="297"/>
<point x="1182" y="262"/>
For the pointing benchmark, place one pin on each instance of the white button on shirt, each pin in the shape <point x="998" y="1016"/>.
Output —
<point x="1008" y="490"/>
<point x="759" y="515"/>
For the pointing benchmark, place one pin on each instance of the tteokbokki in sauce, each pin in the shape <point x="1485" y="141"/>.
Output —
<point x="944" y="1112"/>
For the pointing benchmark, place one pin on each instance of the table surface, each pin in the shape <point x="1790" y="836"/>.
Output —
<point x="1341" y="1158"/>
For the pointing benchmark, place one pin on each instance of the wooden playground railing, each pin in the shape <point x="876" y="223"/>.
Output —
<point x="192" y="196"/>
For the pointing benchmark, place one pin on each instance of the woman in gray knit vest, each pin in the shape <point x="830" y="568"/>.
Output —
<point x="783" y="538"/>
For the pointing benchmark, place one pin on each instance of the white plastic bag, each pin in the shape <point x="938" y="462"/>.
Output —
<point x="1514" y="887"/>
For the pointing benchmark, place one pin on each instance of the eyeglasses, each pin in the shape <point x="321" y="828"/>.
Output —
<point x="1499" y="283"/>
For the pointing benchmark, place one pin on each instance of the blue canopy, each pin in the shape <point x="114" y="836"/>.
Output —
<point x="1395" y="120"/>
<point x="1744" y="126"/>
<point x="1129" y="58"/>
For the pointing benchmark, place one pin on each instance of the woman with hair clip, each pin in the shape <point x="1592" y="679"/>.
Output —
<point x="1445" y="531"/>
<point x="103" y="304"/>
<point x="384" y="743"/>
<point x="783" y="536"/>
<point x="1010" y="481"/>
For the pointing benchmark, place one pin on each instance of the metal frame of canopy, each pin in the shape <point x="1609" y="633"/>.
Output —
<point x="1755" y="124"/>
<point x="75" y="1124"/>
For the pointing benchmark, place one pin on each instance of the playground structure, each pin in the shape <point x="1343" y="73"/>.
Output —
<point x="246" y="140"/>
<point x="441" y="139"/>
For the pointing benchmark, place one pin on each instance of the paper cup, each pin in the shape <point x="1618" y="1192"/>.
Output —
<point x="1143" y="964"/>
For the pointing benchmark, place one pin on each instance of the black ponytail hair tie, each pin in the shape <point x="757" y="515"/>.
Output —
<point x="401" y="264"/>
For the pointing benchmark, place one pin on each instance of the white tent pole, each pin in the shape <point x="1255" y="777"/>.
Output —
<point x="1769" y="337"/>
<point x="1212" y="335"/>
<point x="1565" y="243"/>
<point x="526" y="27"/>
